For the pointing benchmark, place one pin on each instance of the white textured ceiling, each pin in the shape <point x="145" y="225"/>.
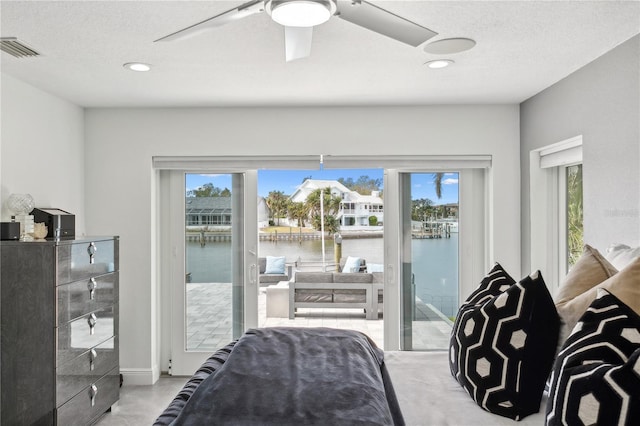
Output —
<point x="522" y="48"/>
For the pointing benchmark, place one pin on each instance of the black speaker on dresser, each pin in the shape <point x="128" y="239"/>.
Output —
<point x="60" y="224"/>
<point x="9" y="231"/>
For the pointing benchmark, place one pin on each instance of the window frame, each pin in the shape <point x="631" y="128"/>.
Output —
<point x="548" y="207"/>
<point x="563" y="205"/>
<point x="477" y="221"/>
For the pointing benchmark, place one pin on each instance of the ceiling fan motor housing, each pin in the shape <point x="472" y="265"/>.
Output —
<point x="300" y="13"/>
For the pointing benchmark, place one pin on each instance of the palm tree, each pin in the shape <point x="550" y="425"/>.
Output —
<point x="277" y="203"/>
<point x="421" y="208"/>
<point x="331" y="208"/>
<point x="298" y="211"/>
<point x="209" y="190"/>
<point x="331" y="202"/>
<point x="331" y="224"/>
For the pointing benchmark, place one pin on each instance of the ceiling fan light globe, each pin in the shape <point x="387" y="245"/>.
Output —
<point x="300" y="13"/>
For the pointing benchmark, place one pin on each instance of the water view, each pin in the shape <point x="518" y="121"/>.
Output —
<point x="435" y="262"/>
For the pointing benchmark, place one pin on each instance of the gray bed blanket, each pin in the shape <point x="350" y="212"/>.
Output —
<point x="297" y="376"/>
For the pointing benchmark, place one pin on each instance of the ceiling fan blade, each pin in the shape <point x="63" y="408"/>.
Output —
<point x="297" y="42"/>
<point x="372" y="17"/>
<point x="242" y="11"/>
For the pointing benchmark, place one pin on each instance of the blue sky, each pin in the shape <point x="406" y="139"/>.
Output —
<point x="287" y="181"/>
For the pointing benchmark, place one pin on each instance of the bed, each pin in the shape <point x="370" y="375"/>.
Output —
<point x="424" y="390"/>
<point x="290" y="376"/>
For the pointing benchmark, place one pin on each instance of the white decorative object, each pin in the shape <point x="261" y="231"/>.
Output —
<point x="40" y="231"/>
<point x="26" y="226"/>
<point x="21" y="205"/>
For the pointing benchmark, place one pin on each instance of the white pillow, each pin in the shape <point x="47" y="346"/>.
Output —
<point x="375" y="267"/>
<point x="620" y="255"/>
<point x="352" y="264"/>
<point x="275" y="265"/>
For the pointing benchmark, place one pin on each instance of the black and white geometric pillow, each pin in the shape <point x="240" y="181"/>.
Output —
<point x="494" y="283"/>
<point x="503" y="343"/>
<point x="596" y="377"/>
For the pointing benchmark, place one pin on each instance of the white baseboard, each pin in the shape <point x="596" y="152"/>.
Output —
<point x="140" y="376"/>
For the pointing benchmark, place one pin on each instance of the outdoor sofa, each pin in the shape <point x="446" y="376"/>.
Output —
<point x="273" y="269"/>
<point x="353" y="290"/>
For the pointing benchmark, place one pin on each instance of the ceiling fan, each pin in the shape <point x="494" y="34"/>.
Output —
<point x="300" y="16"/>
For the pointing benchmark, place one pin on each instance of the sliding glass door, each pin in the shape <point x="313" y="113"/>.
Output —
<point x="213" y="274"/>
<point x="439" y="216"/>
<point x="431" y="249"/>
<point x="313" y="220"/>
<point x="430" y="230"/>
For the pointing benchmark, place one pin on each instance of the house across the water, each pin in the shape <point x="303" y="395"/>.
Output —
<point x="355" y="209"/>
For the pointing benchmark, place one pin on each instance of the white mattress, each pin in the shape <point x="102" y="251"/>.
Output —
<point x="429" y="395"/>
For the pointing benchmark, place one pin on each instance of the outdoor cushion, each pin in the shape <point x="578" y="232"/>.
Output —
<point x="349" y="296"/>
<point x="271" y="279"/>
<point x="352" y="278"/>
<point x="314" y="296"/>
<point x="352" y="264"/>
<point x="314" y="277"/>
<point x="375" y="267"/>
<point x="275" y="265"/>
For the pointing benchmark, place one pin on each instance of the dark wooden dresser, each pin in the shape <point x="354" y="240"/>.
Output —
<point x="59" y="330"/>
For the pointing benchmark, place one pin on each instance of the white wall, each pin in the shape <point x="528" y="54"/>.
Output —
<point x="112" y="168"/>
<point x="601" y="102"/>
<point x="121" y="142"/>
<point x="42" y="149"/>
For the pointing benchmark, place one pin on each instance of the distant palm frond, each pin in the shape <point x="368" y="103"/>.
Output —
<point x="437" y="183"/>
<point x="575" y="230"/>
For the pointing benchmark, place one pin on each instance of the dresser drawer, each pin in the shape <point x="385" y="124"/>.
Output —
<point x="80" y="372"/>
<point x="86" y="259"/>
<point x="83" y="333"/>
<point x="91" y="402"/>
<point x="81" y="297"/>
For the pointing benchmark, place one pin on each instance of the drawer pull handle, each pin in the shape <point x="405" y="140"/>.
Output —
<point x="92" y="285"/>
<point x="92" y="359"/>
<point x="92" y="249"/>
<point x="93" y="391"/>
<point x="92" y="320"/>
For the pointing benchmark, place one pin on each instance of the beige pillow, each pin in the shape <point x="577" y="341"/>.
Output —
<point x="589" y="271"/>
<point x="625" y="285"/>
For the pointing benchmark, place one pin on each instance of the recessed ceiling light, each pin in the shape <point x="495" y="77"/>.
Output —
<point x="439" y="63"/>
<point x="137" y="66"/>
<point x="448" y="46"/>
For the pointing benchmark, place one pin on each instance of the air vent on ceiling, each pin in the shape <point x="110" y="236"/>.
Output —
<point x="15" y="47"/>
